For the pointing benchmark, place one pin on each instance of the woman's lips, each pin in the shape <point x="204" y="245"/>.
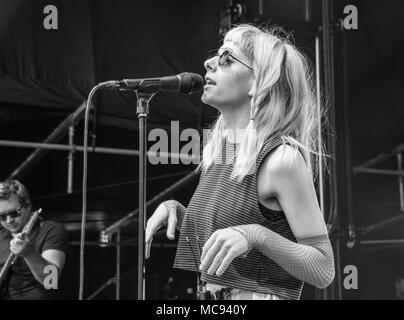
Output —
<point x="209" y="81"/>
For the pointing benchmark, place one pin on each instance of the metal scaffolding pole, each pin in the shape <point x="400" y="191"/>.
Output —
<point x="380" y="171"/>
<point x="332" y="218"/>
<point x="383" y="241"/>
<point x="378" y="159"/>
<point x="400" y="180"/>
<point x="66" y="147"/>
<point x="118" y="265"/>
<point x="382" y="224"/>
<point x="55" y="136"/>
<point x="364" y="168"/>
<point x="109" y="282"/>
<point x="70" y="161"/>
<point x="107" y="233"/>
<point x="319" y="125"/>
<point x="328" y="74"/>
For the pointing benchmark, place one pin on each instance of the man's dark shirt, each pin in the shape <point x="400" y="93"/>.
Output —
<point x="22" y="284"/>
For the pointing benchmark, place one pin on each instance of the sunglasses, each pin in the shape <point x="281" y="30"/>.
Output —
<point x="225" y="57"/>
<point x="12" y="214"/>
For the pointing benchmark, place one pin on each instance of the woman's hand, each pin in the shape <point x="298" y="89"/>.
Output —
<point x="223" y="246"/>
<point x="161" y="217"/>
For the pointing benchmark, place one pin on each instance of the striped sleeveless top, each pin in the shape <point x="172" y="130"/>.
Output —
<point x="220" y="202"/>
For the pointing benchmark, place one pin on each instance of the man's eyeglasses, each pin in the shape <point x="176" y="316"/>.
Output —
<point x="12" y="214"/>
<point x="226" y="56"/>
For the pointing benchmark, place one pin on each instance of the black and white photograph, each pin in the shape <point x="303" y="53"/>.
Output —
<point x="188" y="151"/>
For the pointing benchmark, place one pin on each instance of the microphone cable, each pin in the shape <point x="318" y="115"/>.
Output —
<point x="84" y="187"/>
<point x="201" y="292"/>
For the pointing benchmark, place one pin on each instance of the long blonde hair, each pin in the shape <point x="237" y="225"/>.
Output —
<point x="283" y="102"/>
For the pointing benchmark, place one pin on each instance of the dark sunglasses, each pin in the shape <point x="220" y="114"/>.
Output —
<point x="12" y="214"/>
<point x="225" y="57"/>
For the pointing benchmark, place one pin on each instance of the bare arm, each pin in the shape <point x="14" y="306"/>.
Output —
<point x="285" y="176"/>
<point x="36" y="261"/>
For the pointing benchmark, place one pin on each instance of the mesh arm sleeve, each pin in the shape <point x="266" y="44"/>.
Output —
<point x="310" y="260"/>
<point x="179" y="209"/>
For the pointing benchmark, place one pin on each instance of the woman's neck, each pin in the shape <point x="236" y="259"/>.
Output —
<point x="235" y="121"/>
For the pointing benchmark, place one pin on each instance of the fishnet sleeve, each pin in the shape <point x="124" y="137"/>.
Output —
<point x="310" y="260"/>
<point x="179" y="209"/>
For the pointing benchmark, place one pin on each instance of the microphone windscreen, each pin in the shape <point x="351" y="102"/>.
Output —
<point x="190" y="82"/>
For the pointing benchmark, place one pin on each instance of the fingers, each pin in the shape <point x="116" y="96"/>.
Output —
<point x="156" y="221"/>
<point x="153" y="224"/>
<point x="211" y="253"/>
<point x="148" y="245"/>
<point x="208" y="244"/>
<point x="13" y="250"/>
<point x="229" y="257"/>
<point x="171" y="224"/>
<point x="217" y="261"/>
<point x="160" y="217"/>
<point x="148" y="238"/>
<point x="151" y="228"/>
<point x="12" y="246"/>
<point x="17" y="242"/>
<point x="18" y="246"/>
<point x="221" y="249"/>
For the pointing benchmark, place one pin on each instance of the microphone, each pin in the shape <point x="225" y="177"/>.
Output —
<point x="185" y="82"/>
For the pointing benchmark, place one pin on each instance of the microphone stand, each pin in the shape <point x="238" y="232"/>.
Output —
<point x="145" y="91"/>
<point x="142" y="112"/>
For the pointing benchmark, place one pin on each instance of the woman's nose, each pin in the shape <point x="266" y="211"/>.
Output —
<point x="210" y="64"/>
<point x="9" y="219"/>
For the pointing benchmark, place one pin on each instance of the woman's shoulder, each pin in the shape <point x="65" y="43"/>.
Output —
<point x="283" y="170"/>
<point x="284" y="161"/>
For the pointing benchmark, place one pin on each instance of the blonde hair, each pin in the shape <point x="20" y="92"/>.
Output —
<point x="283" y="102"/>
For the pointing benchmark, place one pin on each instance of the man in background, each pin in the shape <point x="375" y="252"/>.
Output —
<point x="40" y="255"/>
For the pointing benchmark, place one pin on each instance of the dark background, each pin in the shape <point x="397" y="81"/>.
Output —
<point x="47" y="74"/>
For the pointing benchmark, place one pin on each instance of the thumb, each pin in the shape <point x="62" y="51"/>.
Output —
<point x="151" y="228"/>
<point x="171" y="224"/>
<point x="148" y="245"/>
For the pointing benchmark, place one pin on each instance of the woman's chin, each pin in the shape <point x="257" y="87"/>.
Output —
<point x="207" y="99"/>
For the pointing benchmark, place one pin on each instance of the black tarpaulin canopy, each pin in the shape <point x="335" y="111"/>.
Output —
<point x="98" y="41"/>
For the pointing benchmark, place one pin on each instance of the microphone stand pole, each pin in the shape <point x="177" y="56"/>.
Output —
<point x="142" y="112"/>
